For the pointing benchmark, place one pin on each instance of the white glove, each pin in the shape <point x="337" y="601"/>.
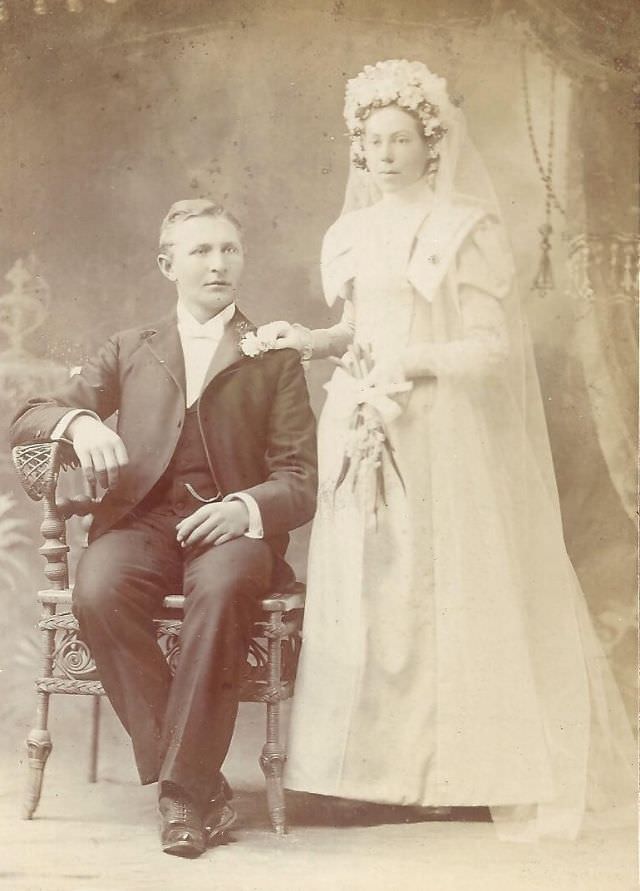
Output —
<point x="283" y="335"/>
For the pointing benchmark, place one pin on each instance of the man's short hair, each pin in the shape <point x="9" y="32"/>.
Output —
<point x="186" y="210"/>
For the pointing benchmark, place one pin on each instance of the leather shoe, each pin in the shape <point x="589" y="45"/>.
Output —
<point x="220" y="815"/>
<point x="181" y="832"/>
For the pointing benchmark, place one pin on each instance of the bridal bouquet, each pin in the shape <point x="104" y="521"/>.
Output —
<point x="368" y="445"/>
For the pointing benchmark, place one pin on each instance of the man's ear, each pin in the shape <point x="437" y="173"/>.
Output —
<point x="166" y="267"/>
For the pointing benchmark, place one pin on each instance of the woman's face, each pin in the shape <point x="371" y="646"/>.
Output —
<point x="395" y="148"/>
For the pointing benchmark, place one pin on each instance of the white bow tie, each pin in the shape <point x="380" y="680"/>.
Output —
<point x="211" y="331"/>
<point x="202" y="335"/>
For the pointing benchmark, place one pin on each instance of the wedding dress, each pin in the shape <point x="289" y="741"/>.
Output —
<point x="448" y="656"/>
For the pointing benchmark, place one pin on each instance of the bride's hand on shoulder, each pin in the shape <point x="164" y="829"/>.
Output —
<point x="282" y="335"/>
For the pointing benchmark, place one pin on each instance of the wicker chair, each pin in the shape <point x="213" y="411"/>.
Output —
<point x="67" y="663"/>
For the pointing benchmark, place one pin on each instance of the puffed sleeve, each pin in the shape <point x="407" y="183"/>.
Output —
<point x="484" y="260"/>
<point x="337" y="266"/>
<point x="482" y="278"/>
<point x="337" y="260"/>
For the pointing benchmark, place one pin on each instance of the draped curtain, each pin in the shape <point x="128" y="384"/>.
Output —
<point x="596" y="44"/>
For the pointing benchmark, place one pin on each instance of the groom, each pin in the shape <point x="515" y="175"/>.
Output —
<point x="213" y="464"/>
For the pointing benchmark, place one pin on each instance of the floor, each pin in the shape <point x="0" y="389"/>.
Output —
<point x="103" y="837"/>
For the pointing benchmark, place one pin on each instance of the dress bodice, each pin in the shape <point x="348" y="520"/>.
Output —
<point x="385" y="302"/>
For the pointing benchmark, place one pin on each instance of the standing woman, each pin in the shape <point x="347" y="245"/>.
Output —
<point x="448" y="655"/>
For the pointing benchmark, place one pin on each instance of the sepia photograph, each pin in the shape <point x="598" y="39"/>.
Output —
<point x="318" y="474"/>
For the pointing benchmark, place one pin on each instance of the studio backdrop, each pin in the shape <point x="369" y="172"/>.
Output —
<point x="110" y="114"/>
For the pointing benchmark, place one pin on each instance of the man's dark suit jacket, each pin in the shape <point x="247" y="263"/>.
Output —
<point x="254" y="415"/>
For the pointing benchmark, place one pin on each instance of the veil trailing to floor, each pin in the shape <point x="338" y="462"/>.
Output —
<point x="521" y="676"/>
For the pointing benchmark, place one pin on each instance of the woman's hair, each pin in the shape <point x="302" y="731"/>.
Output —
<point x="180" y="211"/>
<point x="410" y="86"/>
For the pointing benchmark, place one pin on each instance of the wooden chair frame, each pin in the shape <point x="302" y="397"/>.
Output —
<point x="67" y="664"/>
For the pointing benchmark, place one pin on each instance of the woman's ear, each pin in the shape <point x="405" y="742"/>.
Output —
<point x="166" y="267"/>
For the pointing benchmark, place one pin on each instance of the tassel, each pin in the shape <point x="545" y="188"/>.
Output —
<point x="544" y="279"/>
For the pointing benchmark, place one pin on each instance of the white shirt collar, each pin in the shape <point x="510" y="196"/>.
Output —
<point x="191" y="327"/>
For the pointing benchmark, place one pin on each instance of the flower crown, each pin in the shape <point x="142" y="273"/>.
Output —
<point x="409" y="85"/>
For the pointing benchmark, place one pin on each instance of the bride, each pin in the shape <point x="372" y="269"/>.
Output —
<point x="448" y="654"/>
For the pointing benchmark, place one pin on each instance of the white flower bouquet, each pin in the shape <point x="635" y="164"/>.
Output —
<point x="368" y="446"/>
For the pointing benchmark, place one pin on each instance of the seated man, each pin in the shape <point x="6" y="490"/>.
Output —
<point x="214" y="462"/>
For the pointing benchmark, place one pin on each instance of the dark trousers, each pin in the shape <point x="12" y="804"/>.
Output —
<point x="180" y="727"/>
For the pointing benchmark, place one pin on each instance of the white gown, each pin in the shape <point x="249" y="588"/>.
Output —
<point x="448" y="657"/>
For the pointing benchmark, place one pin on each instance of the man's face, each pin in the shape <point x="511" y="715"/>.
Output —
<point x="206" y="263"/>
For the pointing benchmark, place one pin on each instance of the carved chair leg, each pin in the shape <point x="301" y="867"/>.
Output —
<point x="94" y="749"/>
<point x="272" y="764"/>
<point x="39" y="739"/>
<point x="39" y="748"/>
<point x="273" y="754"/>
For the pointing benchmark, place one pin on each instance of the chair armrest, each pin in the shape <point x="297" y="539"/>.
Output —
<point x="38" y="465"/>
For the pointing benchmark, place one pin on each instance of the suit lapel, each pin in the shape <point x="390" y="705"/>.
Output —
<point x="166" y="347"/>
<point x="228" y="351"/>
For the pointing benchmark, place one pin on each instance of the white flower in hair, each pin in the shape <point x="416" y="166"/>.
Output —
<point x="410" y="85"/>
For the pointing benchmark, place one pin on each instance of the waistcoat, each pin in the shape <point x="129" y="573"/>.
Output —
<point x="188" y="465"/>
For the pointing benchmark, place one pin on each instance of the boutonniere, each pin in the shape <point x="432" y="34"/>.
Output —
<point x="251" y="345"/>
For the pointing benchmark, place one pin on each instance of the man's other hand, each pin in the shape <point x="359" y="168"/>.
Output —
<point x="101" y="452"/>
<point x="213" y="524"/>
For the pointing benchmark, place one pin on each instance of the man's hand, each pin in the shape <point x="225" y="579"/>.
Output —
<point x="101" y="452"/>
<point x="213" y="524"/>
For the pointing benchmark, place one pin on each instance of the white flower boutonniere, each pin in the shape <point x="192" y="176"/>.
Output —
<point x="253" y="346"/>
